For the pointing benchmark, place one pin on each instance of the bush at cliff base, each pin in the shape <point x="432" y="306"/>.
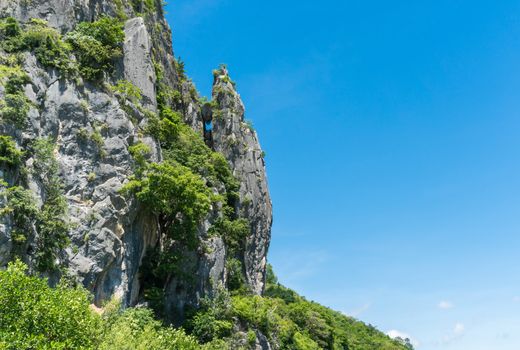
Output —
<point x="35" y="316"/>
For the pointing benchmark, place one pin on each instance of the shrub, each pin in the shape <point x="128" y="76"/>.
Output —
<point x="303" y="342"/>
<point x="10" y="27"/>
<point x="17" y="80"/>
<point x="52" y="222"/>
<point x="96" y="45"/>
<point x="213" y="320"/>
<point x="233" y="232"/>
<point x="140" y="152"/>
<point x="48" y="46"/>
<point x="36" y="36"/>
<point x="35" y="316"/>
<point x="14" y="108"/>
<point x="21" y="205"/>
<point x="235" y="275"/>
<point x="136" y="329"/>
<point x="15" y="105"/>
<point x="9" y="154"/>
<point x="128" y="91"/>
<point x="10" y="31"/>
<point x="206" y="327"/>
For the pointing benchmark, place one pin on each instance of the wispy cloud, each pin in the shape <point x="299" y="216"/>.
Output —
<point x="360" y="310"/>
<point x="516" y="299"/>
<point x="301" y="264"/>
<point x="445" y="305"/>
<point x="458" y="331"/>
<point x="398" y="334"/>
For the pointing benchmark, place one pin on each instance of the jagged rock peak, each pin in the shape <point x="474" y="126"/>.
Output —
<point x="81" y="132"/>
<point x="238" y="141"/>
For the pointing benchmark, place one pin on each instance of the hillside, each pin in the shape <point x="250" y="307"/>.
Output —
<point x="121" y="182"/>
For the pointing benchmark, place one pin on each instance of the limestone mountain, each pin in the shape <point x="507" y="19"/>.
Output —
<point x="114" y="178"/>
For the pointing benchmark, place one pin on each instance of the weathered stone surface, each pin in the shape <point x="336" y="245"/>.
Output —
<point x="137" y="62"/>
<point x="261" y="343"/>
<point x="234" y="138"/>
<point x="110" y="233"/>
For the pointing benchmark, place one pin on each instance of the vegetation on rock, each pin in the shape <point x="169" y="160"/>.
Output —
<point x="35" y="316"/>
<point x="192" y="185"/>
<point x="95" y="45"/>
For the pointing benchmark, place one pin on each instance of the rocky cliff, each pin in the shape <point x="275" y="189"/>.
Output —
<point x="118" y="177"/>
<point x="91" y="122"/>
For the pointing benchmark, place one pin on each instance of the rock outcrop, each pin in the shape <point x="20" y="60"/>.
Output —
<point x="92" y="128"/>
<point x="236" y="139"/>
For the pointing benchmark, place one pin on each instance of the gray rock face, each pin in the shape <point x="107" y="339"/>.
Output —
<point x="110" y="233"/>
<point x="234" y="138"/>
<point x="137" y="61"/>
<point x="61" y="14"/>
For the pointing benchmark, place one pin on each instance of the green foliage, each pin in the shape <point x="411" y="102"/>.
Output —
<point x="15" y="105"/>
<point x="235" y="275"/>
<point x="179" y="68"/>
<point x="303" y="342"/>
<point x="48" y="46"/>
<point x="234" y="233"/>
<point x="206" y="327"/>
<point x="46" y="43"/>
<point x="296" y="323"/>
<point x="140" y="152"/>
<point x="10" y="34"/>
<point x="145" y="6"/>
<point x="52" y="224"/>
<point x="287" y="320"/>
<point x="96" y="45"/>
<point x="183" y="145"/>
<point x="9" y="155"/>
<point x="9" y="27"/>
<point x="21" y="205"/>
<point x="212" y="321"/>
<point x="270" y="277"/>
<point x="166" y="95"/>
<point x="249" y="125"/>
<point x="16" y="81"/>
<point x="50" y="220"/>
<point x="95" y="137"/>
<point x="127" y="91"/>
<point x="177" y="196"/>
<point x="34" y="316"/>
<point x="136" y="329"/>
<point x="14" y="108"/>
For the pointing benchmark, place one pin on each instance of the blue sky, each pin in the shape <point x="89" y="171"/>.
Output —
<point x="391" y="130"/>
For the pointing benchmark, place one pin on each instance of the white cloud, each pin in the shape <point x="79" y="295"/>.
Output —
<point x="516" y="299"/>
<point x="458" y="331"/>
<point x="445" y="305"/>
<point x="398" y="334"/>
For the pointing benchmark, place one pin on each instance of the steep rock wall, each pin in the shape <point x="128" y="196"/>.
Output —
<point x="92" y="129"/>
<point x="238" y="142"/>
